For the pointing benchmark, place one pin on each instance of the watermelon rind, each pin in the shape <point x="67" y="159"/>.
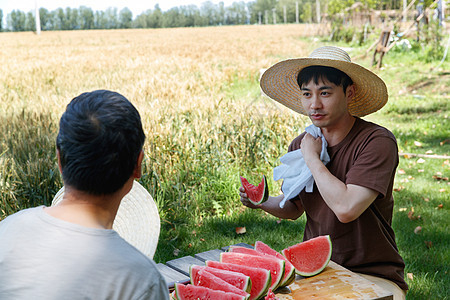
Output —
<point x="192" y="292"/>
<point x="289" y="270"/>
<point x="273" y="264"/>
<point x="237" y="279"/>
<point x="308" y="256"/>
<point x="254" y="199"/>
<point x="257" y="276"/>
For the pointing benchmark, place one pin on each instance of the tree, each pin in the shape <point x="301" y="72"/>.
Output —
<point x="16" y="20"/>
<point x="1" y="20"/>
<point x="125" y="18"/>
<point x="86" y="16"/>
<point x="30" y="22"/>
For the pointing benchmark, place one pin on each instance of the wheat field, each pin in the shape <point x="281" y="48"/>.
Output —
<point x="196" y="89"/>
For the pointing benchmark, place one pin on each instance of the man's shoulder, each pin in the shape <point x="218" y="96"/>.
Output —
<point x="369" y="128"/>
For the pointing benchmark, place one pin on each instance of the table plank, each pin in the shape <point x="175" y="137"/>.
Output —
<point x="209" y="255"/>
<point x="172" y="276"/>
<point x="239" y="244"/>
<point x="334" y="282"/>
<point x="182" y="264"/>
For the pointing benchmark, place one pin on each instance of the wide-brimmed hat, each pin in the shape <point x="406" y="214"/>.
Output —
<point x="279" y="82"/>
<point x="137" y="220"/>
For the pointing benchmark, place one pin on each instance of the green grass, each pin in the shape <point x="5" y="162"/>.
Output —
<point x="192" y="167"/>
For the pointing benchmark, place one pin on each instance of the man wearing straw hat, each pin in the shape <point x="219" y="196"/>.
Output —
<point x="340" y="171"/>
<point x="70" y="251"/>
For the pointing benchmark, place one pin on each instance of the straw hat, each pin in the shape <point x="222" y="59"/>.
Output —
<point x="137" y="220"/>
<point x="279" y="82"/>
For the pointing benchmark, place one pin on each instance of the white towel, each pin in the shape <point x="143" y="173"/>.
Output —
<point x="294" y="172"/>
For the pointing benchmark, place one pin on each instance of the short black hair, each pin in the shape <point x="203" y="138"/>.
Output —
<point x="100" y="138"/>
<point x="331" y="74"/>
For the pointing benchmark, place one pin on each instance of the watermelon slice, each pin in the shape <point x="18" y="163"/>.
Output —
<point x="206" y="279"/>
<point x="236" y="279"/>
<point x="289" y="270"/>
<point x="260" y="277"/>
<point x="256" y="194"/>
<point x="270" y="295"/>
<point x="310" y="257"/>
<point x="192" y="292"/>
<point x="273" y="264"/>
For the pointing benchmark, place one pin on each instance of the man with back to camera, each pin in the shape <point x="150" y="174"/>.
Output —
<point x="350" y="162"/>
<point x="70" y="251"/>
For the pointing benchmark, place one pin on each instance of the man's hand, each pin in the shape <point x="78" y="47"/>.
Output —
<point x="311" y="147"/>
<point x="244" y="199"/>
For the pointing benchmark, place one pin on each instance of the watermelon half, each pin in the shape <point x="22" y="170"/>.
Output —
<point x="256" y="194"/>
<point x="260" y="277"/>
<point x="192" y="292"/>
<point x="310" y="257"/>
<point x="273" y="264"/>
<point x="236" y="279"/>
<point x="206" y="279"/>
<point x="289" y="270"/>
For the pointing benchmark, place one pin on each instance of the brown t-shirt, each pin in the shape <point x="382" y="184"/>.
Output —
<point x="368" y="157"/>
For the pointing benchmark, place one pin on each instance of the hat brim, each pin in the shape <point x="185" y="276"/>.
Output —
<point x="137" y="220"/>
<point x="279" y="82"/>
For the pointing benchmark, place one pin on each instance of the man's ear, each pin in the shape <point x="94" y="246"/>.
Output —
<point x="138" y="169"/>
<point x="350" y="93"/>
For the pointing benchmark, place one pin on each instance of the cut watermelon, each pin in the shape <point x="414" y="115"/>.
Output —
<point x="192" y="292"/>
<point x="270" y="295"/>
<point x="310" y="257"/>
<point x="273" y="264"/>
<point x="260" y="277"/>
<point x="206" y="279"/>
<point x="236" y="279"/>
<point x="256" y="194"/>
<point x="289" y="270"/>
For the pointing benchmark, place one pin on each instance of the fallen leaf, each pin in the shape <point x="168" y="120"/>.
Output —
<point x="241" y="230"/>
<point x="444" y="142"/>
<point x="404" y="180"/>
<point x="417" y="144"/>
<point x="176" y="252"/>
<point x="442" y="190"/>
<point x="190" y="245"/>
<point x="398" y="189"/>
<point x="429" y="152"/>
<point x="278" y="221"/>
<point x="410" y="276"/>
<point x="426" y="199"/>
<point x="411" y="215"/>
<point x="402" y="209"/>
<point x="420" y="161"/>
<point x="440" y="206"/>
<point x="440" y="177"/>
<point x="401" y="171"/>
<point x="202" y="240"/>
<point x="429" y="244"/>
<point x="410" y="177"/>
<point x="417" y="230"/>
<point x="421" y="170"/>
<point x="194" y="232"/>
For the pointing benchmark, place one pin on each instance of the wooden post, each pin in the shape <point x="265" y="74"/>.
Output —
<point x="284" y="13"/>
<point x="38" y="19"/>
<point x="318" y="11"/>
<point x="296" y="12"/>
<point x="404" y="10"/>
<point x="274" y="16"/>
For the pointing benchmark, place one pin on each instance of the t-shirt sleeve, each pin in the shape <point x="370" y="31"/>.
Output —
<point x="375" y="164"/>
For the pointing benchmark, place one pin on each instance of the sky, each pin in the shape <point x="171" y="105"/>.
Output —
<point x="136" y="6"/>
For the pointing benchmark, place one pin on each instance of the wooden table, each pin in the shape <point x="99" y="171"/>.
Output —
<point x="334" y="282"/>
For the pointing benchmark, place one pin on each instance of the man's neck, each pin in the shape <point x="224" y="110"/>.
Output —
<point x="334" y="135"/>
<point x="88" y="210"/>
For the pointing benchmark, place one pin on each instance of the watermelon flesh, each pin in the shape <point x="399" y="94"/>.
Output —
<point x="206" y="279"/>
<point x="260" y="277"/>
<point x="239" y="280"/>
<point x="310" y="257"/>
<point x="192" y="292"/>
<point x="273" y="264"/>
<point x="289" y="270"/>
<point x="256" y="194"/>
